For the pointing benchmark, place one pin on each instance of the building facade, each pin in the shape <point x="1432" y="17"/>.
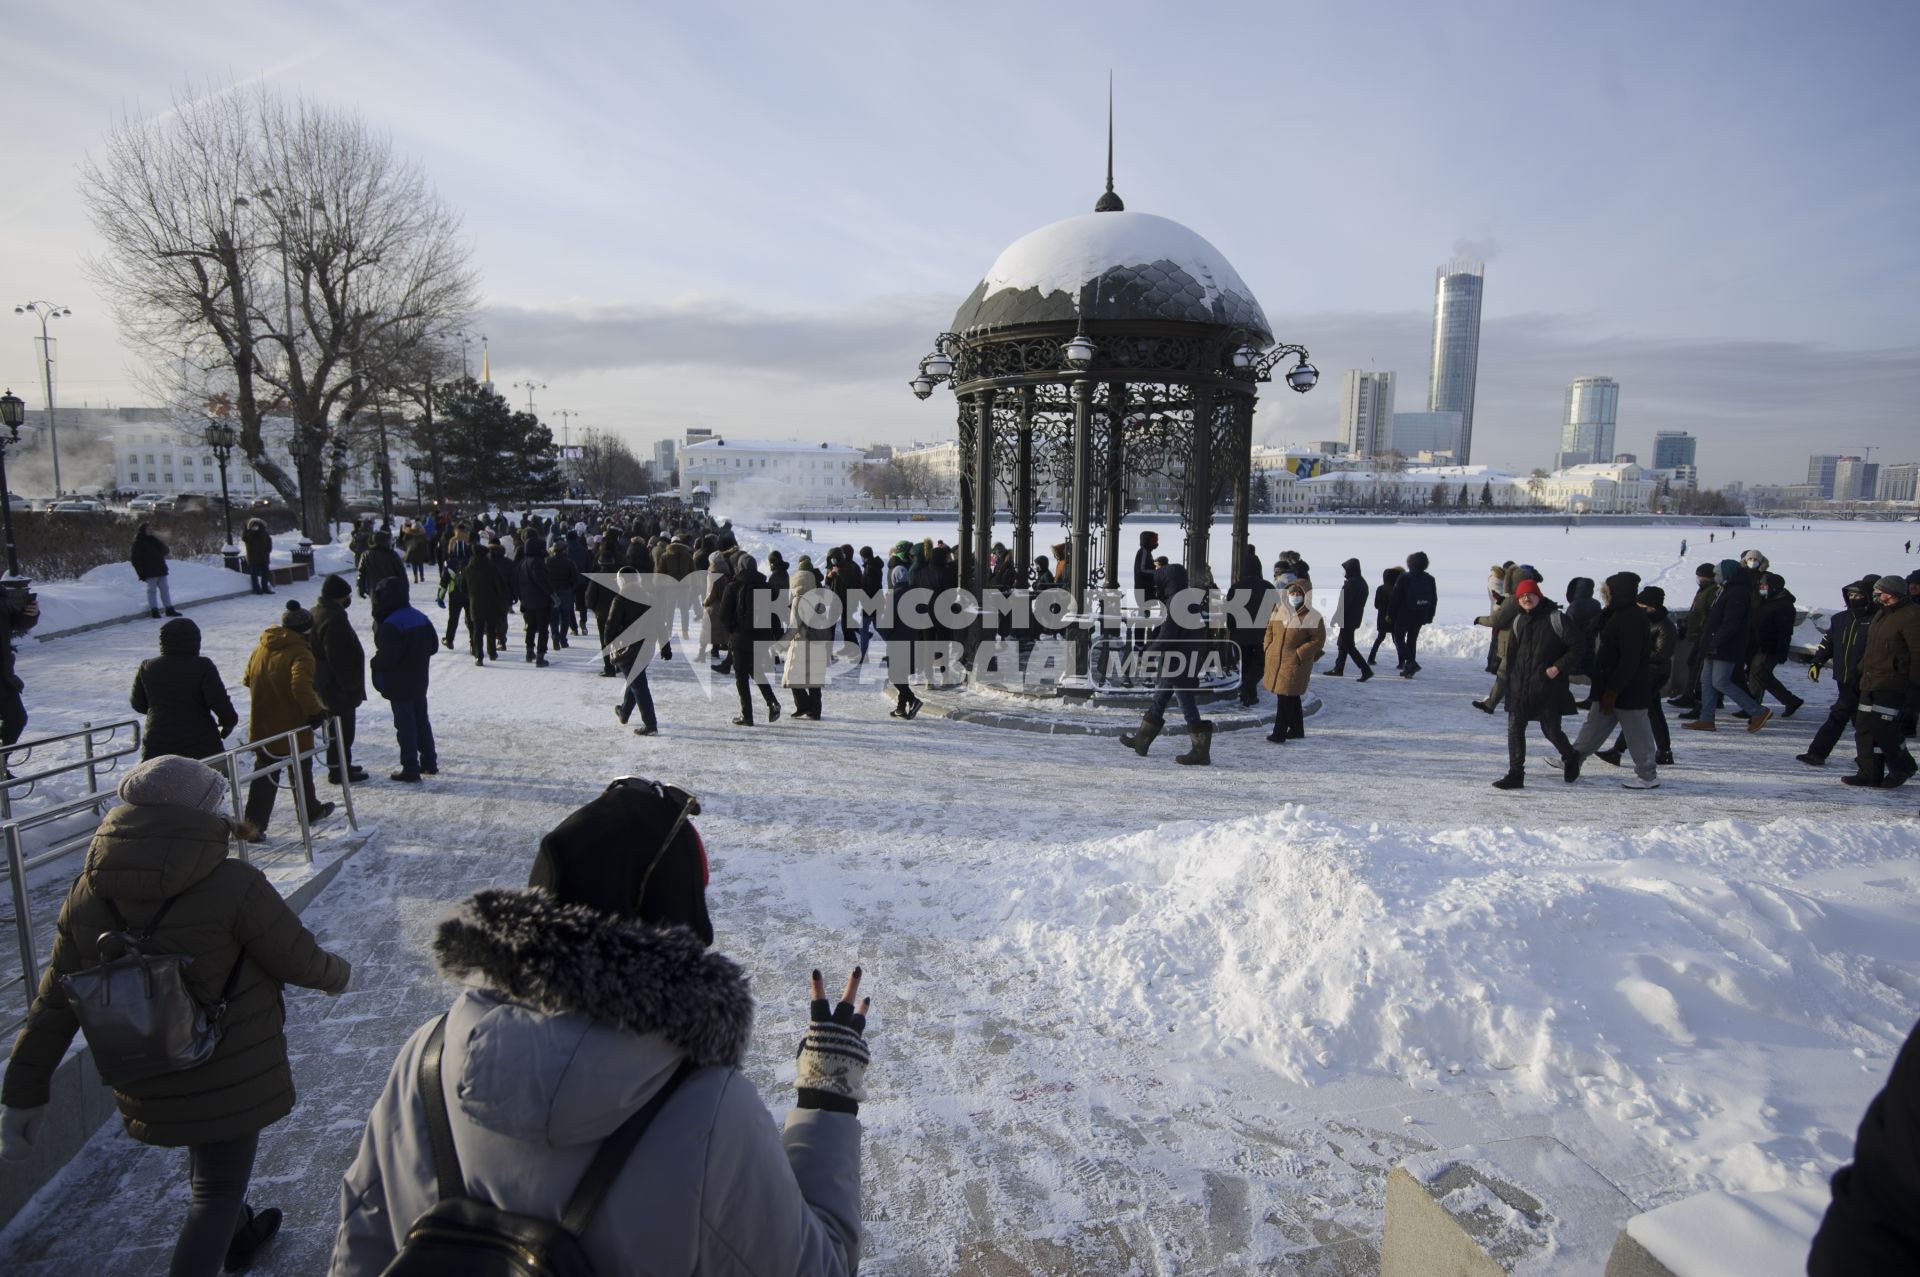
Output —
<point x="774" y="472"/>
<point x="1820" y="468"/>
<point x="1673" y="449"/>
<point x="1366" y="412"/>
<point x="1854" y="479"/>
<point x="1457" y="292"/>
<point x="1433" y="435"/>
<point x="1899" y="483"/>
<point x="1587" y="427"/>
<point x="666" y="458"/>
<point x="168" y="460"/>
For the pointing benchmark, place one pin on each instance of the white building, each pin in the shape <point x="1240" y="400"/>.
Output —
<point x="1600" y="488"/>
<point x="783" y="472"/>
<point x="1366" y="412"/>
<point x="157" y="457"/>
<point x="1589" y="489"/>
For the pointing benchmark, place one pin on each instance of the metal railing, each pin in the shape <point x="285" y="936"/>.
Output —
<point x="229" y="764"/>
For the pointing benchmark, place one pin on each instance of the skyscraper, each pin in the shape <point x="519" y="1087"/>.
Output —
<point x="1366" y="412"/>
<point x="1586" y="431"/>
<point x="1456" y="345"/>
<point x="1854" y="479"/>
<point x="1673" y="449"/>
<point x="1820" y="469"/>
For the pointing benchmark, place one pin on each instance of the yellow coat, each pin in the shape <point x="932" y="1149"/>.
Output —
<point x="1292" y="643"/>
<point x="280" y="677"/>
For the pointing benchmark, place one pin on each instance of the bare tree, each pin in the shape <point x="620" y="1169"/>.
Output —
<point x="607" y="467"/>
<point x="279" y="254"/>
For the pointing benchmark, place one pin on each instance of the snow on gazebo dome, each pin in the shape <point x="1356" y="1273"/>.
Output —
<point x="1119" y="266"/>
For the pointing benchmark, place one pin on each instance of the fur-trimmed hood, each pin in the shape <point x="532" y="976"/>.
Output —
<point x="563" y="959"/>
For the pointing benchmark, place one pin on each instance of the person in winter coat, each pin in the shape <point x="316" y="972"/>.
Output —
<point x="1174" y="655"/>
<point x="676" y="561"/>
<point x="403" y="645"/>
<point x="1773" y="619"/>
<point x="454" y="560"/>
<point x="601" y="597"/>
<point x="280" y="676"/>
<point x="1250" y="604"/>
<point x="810" y="613"/>
<point x="1383" y="611"/>
<point x="380" y="563"/>
<point x="1729" y="633"/>
<point x="1414" y="601"/>
<point x="716" y="638"/>
<point x="580" y="554"/>
<point x="487" y="603"/>
<point x="904" y="604"/>
<point x="183" y="696"/>
<point x="563" y="576"/>
<point x="258" y="543"/>
<point x="749" y="605"/>
<point x="633" y="630"/>
<point x="535" y="589"/>
<point x="1542" y="648"/>
<point x="340" y="671"/>
<point x="1583" y="610"/>
<point x="583" y="998"/>
<point x="159" y="861"/>
<point x="1706" y="589"/>
<point x="1623" y="686"/>
<point x="418" y="552"/>
<point x="1870" y="1226"/>
<point x="1501" y="620"/>
<point x="1662" y="636"/>
<point x="1888" y="670"/>
<point x="1296" y="635"/>
<point x="1353" y="613"/>
<point x="1840" y="650"/>
<point x="149" y="559"/>
<point x="19" y="612"/>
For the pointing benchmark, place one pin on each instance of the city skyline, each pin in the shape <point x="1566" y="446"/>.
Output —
<point x="758" y="236"/>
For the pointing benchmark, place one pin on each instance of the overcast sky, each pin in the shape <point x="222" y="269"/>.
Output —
<point x="756" y="217"/>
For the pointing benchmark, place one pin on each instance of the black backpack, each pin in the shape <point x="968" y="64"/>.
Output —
<point x="461" y="1235"/>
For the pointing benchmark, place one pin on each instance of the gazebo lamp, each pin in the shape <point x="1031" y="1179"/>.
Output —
<point x="13" y="410"/>
<point x="1079" y="351"/>
<point x="1303" y="377"/>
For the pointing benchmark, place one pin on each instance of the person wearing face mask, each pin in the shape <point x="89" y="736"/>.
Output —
<point x="1729" y="625"/>
<point x="1842" y="647"/>
<point x="1296" y="635"/>
<point x="592" y="1004"/>
<point x="1773" y="619"/>
<point x="1888" y="670"/>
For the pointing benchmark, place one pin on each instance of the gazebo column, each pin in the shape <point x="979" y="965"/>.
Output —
<point x="1199" y="497"/>
<point x="1023" y="492"/>
<point x="1077" y="563"/>
<point x="983" y="510"/>
<point x="1242" y="478"/>
<point x="1116" y="480"/>
<point x="969" y="436"/>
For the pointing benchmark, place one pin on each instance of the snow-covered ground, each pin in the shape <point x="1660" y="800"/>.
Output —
<point x="1137" y="1017"/>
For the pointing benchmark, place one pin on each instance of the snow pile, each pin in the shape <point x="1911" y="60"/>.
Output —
<point x="1664" y="980"/>
<point x="1734" y="1234"/>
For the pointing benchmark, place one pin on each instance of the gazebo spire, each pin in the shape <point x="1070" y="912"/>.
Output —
<point x="1109" y="202"/>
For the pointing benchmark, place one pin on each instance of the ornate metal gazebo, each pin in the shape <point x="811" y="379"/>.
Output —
<point x="1108" y="345"/>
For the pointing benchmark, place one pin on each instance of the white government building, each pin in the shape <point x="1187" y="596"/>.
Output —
<point x="720" y="469"/>
<point x="157" y="457"/>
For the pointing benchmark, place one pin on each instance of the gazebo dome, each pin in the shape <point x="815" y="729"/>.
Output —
<point x="1112" y="265"/>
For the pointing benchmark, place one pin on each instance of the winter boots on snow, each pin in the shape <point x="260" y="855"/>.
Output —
<point x="1141" y="738"/>
<point x="1200" y="753"/>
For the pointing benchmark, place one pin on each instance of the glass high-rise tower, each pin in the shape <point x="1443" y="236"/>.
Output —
<point x="1593" y="408"/>
<point x="1456" y="345"/>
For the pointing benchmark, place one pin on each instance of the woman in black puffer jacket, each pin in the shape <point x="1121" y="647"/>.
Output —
<point x="183" y="696"/>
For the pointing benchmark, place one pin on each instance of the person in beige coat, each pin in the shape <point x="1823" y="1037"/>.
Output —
<point x="810" y="617"/>
<point x="1296" y="635"/>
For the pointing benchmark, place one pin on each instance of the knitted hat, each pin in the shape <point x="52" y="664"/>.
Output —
<point x="173" y="781"/>
<point x="1653" y="596"/>
<point x="1891" y="584"/>
<point x="608" y="856"/>
<point x="1704" y="571"/>
<point x="296" y="618"/>
<point x="335" y="587"/>
<point x="1527" y="586"/>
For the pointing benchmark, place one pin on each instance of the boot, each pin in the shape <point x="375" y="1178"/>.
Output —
<point x="1611" y="757"/>
<point x="1811" y="759"/>
<point x="1141" y="738"/>
<point x="1664" y="758"/>
<point x="1200" y="753"/>
<point x="254" y="1232"/>
<point x="1700" y="725"/>
<point x="1570" y="767"/>
<point x="1512" y="780"/>
<point x="174" y="611"/>
<point x="1759" y="720"/>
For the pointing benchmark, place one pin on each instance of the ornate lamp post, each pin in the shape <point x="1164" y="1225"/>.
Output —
<point x="12" y="409"/>
<point x="219" y="436"/>
<point x="43" y="311"/>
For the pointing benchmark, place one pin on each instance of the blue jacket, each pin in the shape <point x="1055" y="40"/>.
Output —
<point x="402" y="645"/>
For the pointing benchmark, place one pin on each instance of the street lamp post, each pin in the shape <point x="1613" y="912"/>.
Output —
<point x="43" y="311"/>
<point x="530" y="387"/>
<point x="219" y="437"/>
<point x="12" y="409"/>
